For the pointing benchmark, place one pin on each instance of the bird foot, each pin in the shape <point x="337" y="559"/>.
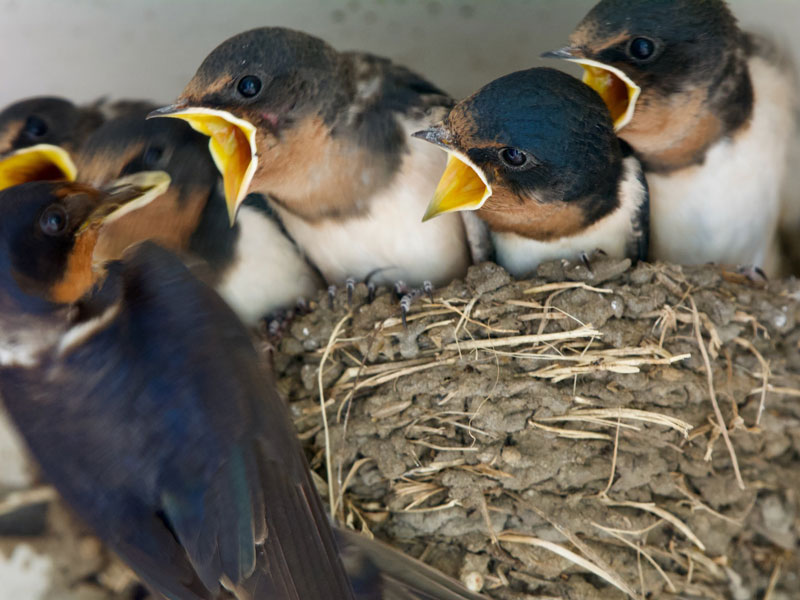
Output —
<point x="350" y="286"/>
<point x="754" y="273"/>
<point x="588" y="258"/>
<point x="278" y="323"/>
<point x="404" y="294"/>
<point x="407" y="299"/>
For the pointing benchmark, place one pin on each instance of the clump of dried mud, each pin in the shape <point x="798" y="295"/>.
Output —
<point x="557" y="437"/>
<point x="549" y="438"/>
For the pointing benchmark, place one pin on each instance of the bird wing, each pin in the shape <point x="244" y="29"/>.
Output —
<point x="234" y="486"/>
<point x="380" y="572"/>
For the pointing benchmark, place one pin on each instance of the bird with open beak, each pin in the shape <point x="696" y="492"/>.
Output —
<point x="709" y="110"/>
<point x="139" y="393"/>
<point x="253" y="264"/>
<point x="39" y="135"/>
<point x="326" y="135"/>
<point x="535" y="154"/>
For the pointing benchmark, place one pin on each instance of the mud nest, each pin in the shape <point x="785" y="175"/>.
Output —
<point x="620" y="432"/>
<point x="585" y="434"/>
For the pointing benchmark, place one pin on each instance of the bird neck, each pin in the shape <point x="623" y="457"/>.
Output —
<point x="80" y="274"/>
<point x="673" y="131"/>
<point x="317" y="175"/>
<point x="558" y="208"/>
<point x="541" y="221"/>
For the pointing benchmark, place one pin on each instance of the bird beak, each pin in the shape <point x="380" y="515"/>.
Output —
<point x="436" y="134"/>
<point x="232" y="146"/>
<point x="128" y="194"/>
<point x="617" y="90"/>
<point x="565" y="53"/>
<point x="43" y="162"/>
<point x="463" y="185"/>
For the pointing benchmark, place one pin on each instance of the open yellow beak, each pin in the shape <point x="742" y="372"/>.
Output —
<point x="232" y="146"/>
<point x="43" y="162"/>
<point x="617" y="90"/>
<point x="463" y="186"/>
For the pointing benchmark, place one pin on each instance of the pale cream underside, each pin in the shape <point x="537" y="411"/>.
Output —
<point x="726" y="210"/>
<point x="520" y="255"/>
<point x="392" y="237"/>
<point x="268" y="271"/>
<point x="24" y="339"/>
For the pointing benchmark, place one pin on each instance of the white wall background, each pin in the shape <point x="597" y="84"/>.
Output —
<point x="84" y="49"/>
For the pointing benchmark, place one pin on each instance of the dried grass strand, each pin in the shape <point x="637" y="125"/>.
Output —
<point x="512" y="537"/>
<point x="328" y="457"/>
<point x="518" y="340"/>
<point x="653" y="508"/>
<point x="712" y="393"/>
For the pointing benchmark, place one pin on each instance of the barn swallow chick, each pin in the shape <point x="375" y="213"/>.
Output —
<point x="535" y="154"/>
<point x="325" y="135"/>
<point x="142" y="398"/>
<point x="253" y="265"/>
<point x="139" y="393"/>
<point x="39" y="135"/>
<point x="708" y="109"/>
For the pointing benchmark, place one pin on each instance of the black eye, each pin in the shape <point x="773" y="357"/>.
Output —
<point x="641" y="48"/>
<point x="152" y="156"/>
<point x="249" y="86"/>
<point x="53" y="220"/>
<point x="34" y="127"/>
<point x="513" y="157"/>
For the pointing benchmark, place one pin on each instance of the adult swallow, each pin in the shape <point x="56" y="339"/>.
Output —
<point x="325" y="135"/>
<point x="142" y="398"/>
<point x="253" y="264"/>
<point x="535" y="154"/>
<point x="139" y="393"/>
<point x="39" y="135"/>
<point x="710" y="111"/>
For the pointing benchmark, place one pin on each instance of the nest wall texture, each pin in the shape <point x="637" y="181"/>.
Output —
<point x="624" y="432"/>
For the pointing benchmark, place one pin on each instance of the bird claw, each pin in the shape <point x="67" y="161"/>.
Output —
<point x="427" y="288"/>
<point x="331" y="295"/>
<point x="371" y="288"/>
<point x="400" y="289"/>
<point x="278" y="323"/>
<point x="754" y="273"/>
<point x="409" y="295"/>
<point x="586" y="262"/>
<point x="274" y="327"/>
<point x="405" y="306"/>
<point x="350" y="285"/>
<point x="301" y="307"/>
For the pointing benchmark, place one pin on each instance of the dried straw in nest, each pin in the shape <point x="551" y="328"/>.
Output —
<point x="616" y="433"/>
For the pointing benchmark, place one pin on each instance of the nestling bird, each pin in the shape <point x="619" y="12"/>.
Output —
<point x="38" y="135"/>
<point x="535" y="154"/>
<point x="253" y="265"/>
<point x="325" y="135"/>
<point x="709" y="109"/>
<point x="141" y="396"/>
